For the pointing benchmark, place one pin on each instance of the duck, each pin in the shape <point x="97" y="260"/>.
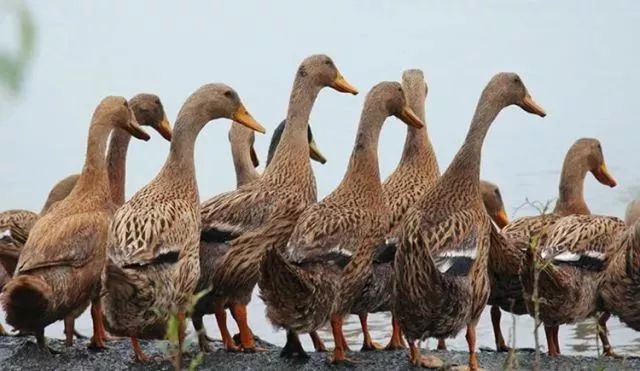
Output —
<point x="263" y="213"/>
<point x="619" y="283"/>
<point x="148" y="111"/>
<point x="58" y="271"/>
<point x="417" y="171"/>
<point x="16" y="224"/>
<point x="569" y="283"/>
<point x="632" y="213"/>
<point x="585" y="155"/>
<point x="245" y="161"/>
<point x="441" y="277"/>
<point x="316" y="276"/>
<point x="154" y="235"/>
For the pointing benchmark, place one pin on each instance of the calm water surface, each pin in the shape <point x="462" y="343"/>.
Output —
<point x="575" y="58"/>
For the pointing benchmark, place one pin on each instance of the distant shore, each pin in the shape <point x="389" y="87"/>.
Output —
<point x="21" y="353"/>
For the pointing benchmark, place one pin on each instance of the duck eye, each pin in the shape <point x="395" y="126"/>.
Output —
<point x="228" y="94"/>
<point x="328" y="62"/>
<point x="126" y="104"/>
<point x="157" y="102"/>
<point x="516" y="79"/>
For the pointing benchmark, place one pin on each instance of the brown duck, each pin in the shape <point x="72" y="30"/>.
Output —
<point x="441" y="280"/>
<point x="303" y="283"/>
<point x="416" y="172"/>
<point x="263" y="213"/>
<point x="245" y="161"/>
<point x="58" y="272"/>
<point x="154" y="236"/>
<point x="584" y="156"/>
<point x="620" y="282"/>
<point x="148" y="111"/>
<point x="569" y="283"/>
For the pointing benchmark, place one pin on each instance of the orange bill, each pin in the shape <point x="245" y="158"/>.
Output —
<point x="410" y="118"/>
<point x="242" y="116"/>
<point x="315" y="154"/>
<point x="603" y="176"/>
<point x="341" y="85"/>
<point x="529" y="105"/>
<point x="164" y="128"/>
<point x="501" y="218"/>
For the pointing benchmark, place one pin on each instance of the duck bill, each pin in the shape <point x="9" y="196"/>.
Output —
<point x="410" y="118"/>
<point x="501" y="219"/>
<point x="254" y="157"/>
<point x="136" y="130"/>
<point x="315" y="154"/>
<point x="341" y="85"/>
<point x="603" y="176"/>
<point x="242" y="116"/>
<point x="164" y="128"/>
<point x="529" y="105"/>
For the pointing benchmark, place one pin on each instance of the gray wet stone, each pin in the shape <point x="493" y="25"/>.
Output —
<point x="21" y="353"/>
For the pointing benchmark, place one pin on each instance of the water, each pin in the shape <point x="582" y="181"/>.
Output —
<point x="574" y="57"/>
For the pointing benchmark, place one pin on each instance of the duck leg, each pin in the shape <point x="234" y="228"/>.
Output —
<point x="181" y="335"/>
<point x="418" y="360"/>
<point x="293" y="348"/>
<point x="441" y="344"/>
<point x="42" y="342"/>
<point x="69" y="324"/>
<point x="471" y="342"/>
<point x="198" y="325"/>
<point x="99" y="333"/>
<point x="551" y="348"/>
<point x="139" y="355"/>
<point x="318" y="344"/>
<point x="227" y="340"/>
<point x="368" y="343"/>
<point x="603" y="332"/>
<point x="339" y="351"/>
<point x="246" y="335"/>
<point x="556" y="343"/>
<point x="501" y="346"/>
<point x="396" y="342"/>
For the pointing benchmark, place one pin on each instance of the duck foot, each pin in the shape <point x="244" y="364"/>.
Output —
<point x="293" y="348"/>
<point x="371" y="346"/>
<point x="96" y="344"/>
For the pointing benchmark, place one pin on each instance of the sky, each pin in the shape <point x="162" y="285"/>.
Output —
<point x="576" y="58"/>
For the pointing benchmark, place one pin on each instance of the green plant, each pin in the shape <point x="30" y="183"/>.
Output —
<point x="13" y="64"/>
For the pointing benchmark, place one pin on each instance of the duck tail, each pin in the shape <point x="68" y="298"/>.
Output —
<point x="283" y="288"/>
<point x="25" y="299"/>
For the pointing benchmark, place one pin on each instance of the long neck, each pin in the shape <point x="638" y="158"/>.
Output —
<point x="363" y="170"/>
<point x="180" y="163"/>
<point x="93" y="178"/>
<point x="117" y="164"/>
<point x="245" y="171"/>
<point x="294" y="140"/>
<point x="465" y="167"/>
<point x="570" y="192"/>
<point x="418" y="150"/>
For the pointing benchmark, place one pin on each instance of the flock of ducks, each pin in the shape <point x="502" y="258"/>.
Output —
<point x="432" y="248"/>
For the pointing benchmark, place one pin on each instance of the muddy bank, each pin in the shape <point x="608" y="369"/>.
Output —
<point x="22" y="354"/>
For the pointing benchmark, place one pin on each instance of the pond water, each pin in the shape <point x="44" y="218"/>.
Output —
<point x="575" y="58"/>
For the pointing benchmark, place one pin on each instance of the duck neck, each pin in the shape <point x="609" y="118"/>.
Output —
<point x="571" y="189"/>
<point x="93" y="178"/>
<point x="363" y="170"/>
<point x="465" y="167"/>
<point x="294" y="140"/>
<point x="418" y="151"/>
<point x="245" y="171"/>
<point x="117" y="163"/>
<point x="179" y="167"/>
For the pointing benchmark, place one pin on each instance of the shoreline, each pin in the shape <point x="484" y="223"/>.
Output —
<point x="21" y="353"/>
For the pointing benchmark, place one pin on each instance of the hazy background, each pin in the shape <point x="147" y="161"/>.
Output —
<point x="578" y="59"/>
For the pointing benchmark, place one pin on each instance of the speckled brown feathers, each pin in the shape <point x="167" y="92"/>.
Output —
<point x="441" y="280"/>
<point x="342" y="229"/>
<point x="153" y="246"/>
<point x="58" y="272"/>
